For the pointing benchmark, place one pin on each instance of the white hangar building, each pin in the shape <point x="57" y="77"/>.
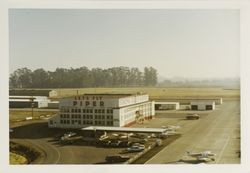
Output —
<point x="117" y="110"/>
<point x="202" y="105"/>
<point x="167" y="105"/>
<point x="28" y="101"/>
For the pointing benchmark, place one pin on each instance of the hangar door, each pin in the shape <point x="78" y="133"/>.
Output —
<point x="209" y="107"/>
<point x="194" y="107"/>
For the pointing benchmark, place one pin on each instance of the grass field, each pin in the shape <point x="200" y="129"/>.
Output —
<point x="17" y="159"/>
<point x="159" y="93"/>
<point x="19" y="115"/>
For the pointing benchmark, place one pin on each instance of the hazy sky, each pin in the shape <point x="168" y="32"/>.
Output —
<point x="186" y="43"/>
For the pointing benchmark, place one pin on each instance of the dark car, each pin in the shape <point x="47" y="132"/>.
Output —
<point x="192" y="117"/>
<point x="116" y="159"/>
<point x="125" y="144"/>
<point x="105" y="143"/>
<point x="115" y="143"/>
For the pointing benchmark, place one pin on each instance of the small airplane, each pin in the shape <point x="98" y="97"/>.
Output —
<point x="170" y="127"/>
<point x="204" y="156"/>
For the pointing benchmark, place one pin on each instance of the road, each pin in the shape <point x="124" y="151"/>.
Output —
<point x="218" y="131"/>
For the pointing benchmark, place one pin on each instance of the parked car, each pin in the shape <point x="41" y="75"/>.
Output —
<point x="125" y="144"/>
<point x="106" y="143"/>
<point x="69" y="134"/>
<point x="192" y="117"/>
<point x="116" y="159"/>
<point x="115" y="143"/>
<point x="136" y="148"/>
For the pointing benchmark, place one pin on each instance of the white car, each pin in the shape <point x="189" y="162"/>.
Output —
<point x="135" y="148"/>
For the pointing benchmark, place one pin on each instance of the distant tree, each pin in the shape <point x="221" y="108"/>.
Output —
<point x="150" y="76"/>
<point x="40" y="78"/>
<point x="21" y="78"/>
<point x="83" y="77"/>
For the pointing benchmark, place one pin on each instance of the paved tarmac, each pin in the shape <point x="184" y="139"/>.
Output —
<point x="217" y="131"/>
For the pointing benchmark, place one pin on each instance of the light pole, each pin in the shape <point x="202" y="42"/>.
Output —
<point x="32" y="106"/>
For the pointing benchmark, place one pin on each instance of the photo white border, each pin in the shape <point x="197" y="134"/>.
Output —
<point x="242" y="5"/>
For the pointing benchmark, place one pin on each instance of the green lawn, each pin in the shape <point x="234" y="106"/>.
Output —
<point x="16" y="115"/>
<point x="158" y="93"/>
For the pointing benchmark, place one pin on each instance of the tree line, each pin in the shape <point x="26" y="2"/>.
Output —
<point x="83" y="77"/>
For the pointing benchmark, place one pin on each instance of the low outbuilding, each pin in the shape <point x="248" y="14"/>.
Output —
<point x="202" y="105"/>
<point x="167" y="106"/>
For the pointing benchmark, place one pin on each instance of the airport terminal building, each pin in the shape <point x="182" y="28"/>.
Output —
<point x="117" y="110"/>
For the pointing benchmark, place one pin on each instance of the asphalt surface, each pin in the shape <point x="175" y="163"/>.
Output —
<point x="217" y="131"/>
<point x="37" y="135"/>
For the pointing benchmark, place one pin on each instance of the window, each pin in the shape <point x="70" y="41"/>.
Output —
<point x="74" y="103"/>
<point x="87" y="110"/>
<point x="73" y="110"/>
<point x="99" y="110"/>
<point x="79" y="110"/>
<point x="67" y="115"/>
<point x="101" y="103"/>
<point x="61" y="115"/>
<point x="87" y="116"/>
<point x="83" y="116"/>
<point x="94" y="103"/>
<point x="95" y="110"/>
<point x="79" y="121"/>
<point x="103" y="117"/>
<point x="67" y="121"/>
<point x="95" y="116"/>
<point x="83" y="110"/>
<point x="51" y="122"/>
<point x="90" y="111"/>
<point x="61" y="121"/>
<point x="64" y="121"/>
<point x="91" y="116"/>
<point x="83" y="122"/>
<point x="111" y="110"/>
<point x="108" y="111"/>
<point x="110" y="123"/>
<point x="87" y="103"/>
<point x="79" y="116"/>
<point x="103" y="111"/>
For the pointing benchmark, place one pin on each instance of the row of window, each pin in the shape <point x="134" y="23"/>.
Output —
<point x="79" y="116"/>
<point x="86" y="122"/>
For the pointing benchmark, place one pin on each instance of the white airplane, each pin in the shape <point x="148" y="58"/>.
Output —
<point x="204" y="156"/>
<point x="170" y="127"/>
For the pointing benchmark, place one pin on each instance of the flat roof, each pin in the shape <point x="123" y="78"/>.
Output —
<point x="158" y="102"/>
<point x="21" y="100"/>
<point x="202" y="102"/>
<point x="107" y="95"/>
<point x="124" y="129"/>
